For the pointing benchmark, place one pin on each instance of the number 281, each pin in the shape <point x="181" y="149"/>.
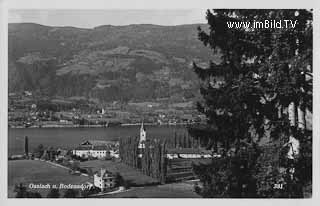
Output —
<point x="277" y="186"/>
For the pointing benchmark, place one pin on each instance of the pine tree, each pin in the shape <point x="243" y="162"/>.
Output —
<point x="247" y="93"/>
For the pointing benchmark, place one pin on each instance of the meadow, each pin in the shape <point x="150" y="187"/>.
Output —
<point x="39" y="172"/>
<point x="133" y="176"/>
<point x="173" y="190"/>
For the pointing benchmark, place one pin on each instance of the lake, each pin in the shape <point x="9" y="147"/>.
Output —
<point x="71" y="137"/>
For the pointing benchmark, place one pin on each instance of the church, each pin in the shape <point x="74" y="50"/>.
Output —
<point x="175" y="153"/>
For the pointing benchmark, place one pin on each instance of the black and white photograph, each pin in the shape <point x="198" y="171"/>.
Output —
<point x="160" y="103"/>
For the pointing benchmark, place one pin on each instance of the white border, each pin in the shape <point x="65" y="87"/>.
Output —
<point x="155" y="4"/>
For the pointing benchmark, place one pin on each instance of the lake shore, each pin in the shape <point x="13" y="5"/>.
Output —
<point x="95" y="126"/>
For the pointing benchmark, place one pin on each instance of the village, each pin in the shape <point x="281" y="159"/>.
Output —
<point x="29" y="110"/>
<point x="106" y="170"/>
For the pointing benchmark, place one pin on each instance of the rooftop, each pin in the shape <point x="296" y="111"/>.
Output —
<point x="104" y="173"/>
<point x="91" y="147"/>
<point x="96" y="142"/>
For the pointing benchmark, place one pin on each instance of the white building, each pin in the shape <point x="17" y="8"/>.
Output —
<point x="188" y="153"/>
<point x="87" y="149"/>
<point x="103" y="180"/>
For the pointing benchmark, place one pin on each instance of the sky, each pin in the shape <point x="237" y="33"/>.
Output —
<point x="93" y="18"/>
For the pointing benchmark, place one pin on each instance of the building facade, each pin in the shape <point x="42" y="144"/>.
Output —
<point x="188" y="153"/>
<point x="104" y="180"/>
<point x="87" y="149"/>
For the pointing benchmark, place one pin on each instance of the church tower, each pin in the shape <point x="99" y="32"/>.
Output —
<point x="143" y="136"/>
<point x="143" y="133"/>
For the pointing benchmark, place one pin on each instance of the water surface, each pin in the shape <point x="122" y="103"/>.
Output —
<point x="70" y="137"/>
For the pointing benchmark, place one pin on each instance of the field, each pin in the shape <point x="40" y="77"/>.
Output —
<point x="135" y="177"/>
<point x="174" y="190"/>
<point x="34" y="171"/>
<point x="181" y="169"/>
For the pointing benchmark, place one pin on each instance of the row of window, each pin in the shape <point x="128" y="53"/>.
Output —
<point x="107" y="185"/>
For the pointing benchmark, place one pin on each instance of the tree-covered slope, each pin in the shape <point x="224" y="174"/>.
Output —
<point x="134" y="62"/>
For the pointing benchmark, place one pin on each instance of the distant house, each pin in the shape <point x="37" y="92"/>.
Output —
<point x="188" y="153"/>
<point x="89" y="149"/>
<point x="61" y="154"/>
<point x="104" y="180"/>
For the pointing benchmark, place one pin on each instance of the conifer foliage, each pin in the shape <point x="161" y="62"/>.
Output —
<point x="150" y="160"/>
<point x="247" y="94"/>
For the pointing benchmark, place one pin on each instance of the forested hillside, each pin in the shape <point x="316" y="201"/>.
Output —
<point x="107" y="63"/>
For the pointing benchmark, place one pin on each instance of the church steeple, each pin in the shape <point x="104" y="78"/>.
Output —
<point x="143" y="133"/>
<point x="143" y="136"/>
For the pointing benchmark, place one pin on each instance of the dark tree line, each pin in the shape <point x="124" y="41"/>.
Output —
<point x="152" y="161"/>
<point x="182" y="141"/>
<point x="128" y="151"/>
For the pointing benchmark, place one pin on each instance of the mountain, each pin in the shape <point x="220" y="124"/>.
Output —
<point x="106" y="63"/>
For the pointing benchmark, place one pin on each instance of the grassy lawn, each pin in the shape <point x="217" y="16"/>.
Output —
<point x="135" y="177"/>
<point x="174" y="190"/>
<point x="34" y="171"/>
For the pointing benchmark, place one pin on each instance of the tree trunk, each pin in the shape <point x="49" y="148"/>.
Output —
<point x="280" y="111"/>
<point x="292" y="114"/>
<point x="301" y="118"/>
